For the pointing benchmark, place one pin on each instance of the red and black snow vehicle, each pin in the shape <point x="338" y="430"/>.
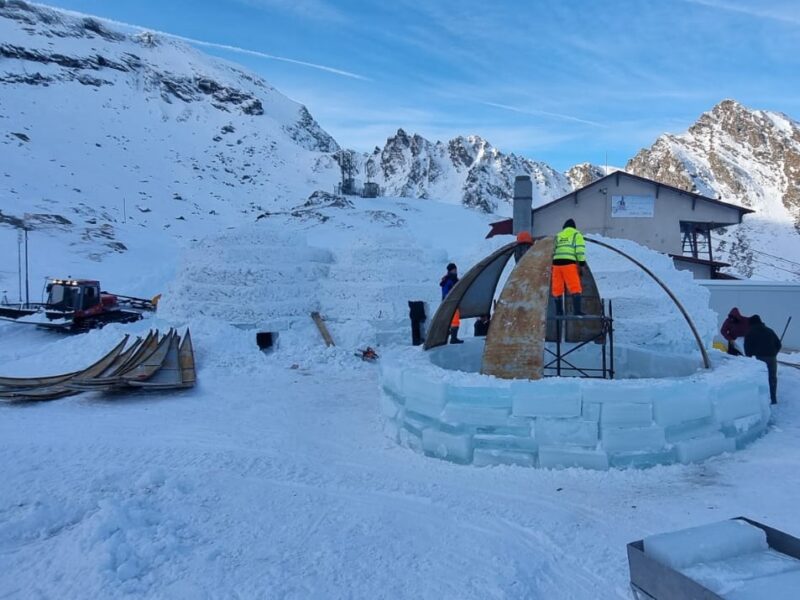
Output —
<point x="77" y="305"/>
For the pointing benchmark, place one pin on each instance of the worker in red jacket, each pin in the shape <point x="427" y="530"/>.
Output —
<point x="735" y="326"/>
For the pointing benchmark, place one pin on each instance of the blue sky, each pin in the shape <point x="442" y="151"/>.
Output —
<point x="560" y="81"/>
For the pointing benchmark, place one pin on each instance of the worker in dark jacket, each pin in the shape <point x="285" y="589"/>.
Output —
<point x="764" y="344"/>
<point x="735" y="326"/>
<point x="569" y="258"/>
<point x="447" y="283"/>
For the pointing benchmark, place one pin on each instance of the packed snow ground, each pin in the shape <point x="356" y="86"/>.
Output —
<point x="273" y="478"/>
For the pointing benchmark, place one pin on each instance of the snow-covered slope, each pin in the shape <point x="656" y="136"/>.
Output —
<point x="105" y="132"/>
<point x="746" y="157"/>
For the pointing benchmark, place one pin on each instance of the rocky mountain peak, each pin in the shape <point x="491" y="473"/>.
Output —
<point x="742" y="156"/>
<point x="465" y="169"/>
<point x="583" y="174"/>
<point x="148" y="39"/>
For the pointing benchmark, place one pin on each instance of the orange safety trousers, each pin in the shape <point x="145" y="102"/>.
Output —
<point x="565" y="275"/>
<point x="456" y="322"/>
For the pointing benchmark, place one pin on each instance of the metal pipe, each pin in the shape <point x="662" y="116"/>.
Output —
<point x="523" y="210"/>
<point x="19" y="264"/>
<point x="789" y="320"/>
<point x="27" y="286"/>
<point x="706" y="361"/>
<point x="558" y="347"/>
<point x="603" y="304"/>
<point x="611" y="334"/>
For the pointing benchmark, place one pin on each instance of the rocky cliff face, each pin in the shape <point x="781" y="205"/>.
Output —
<point x="585" y="173"/>
<point x="466" y="170"/>
<point x="746" y="157"/>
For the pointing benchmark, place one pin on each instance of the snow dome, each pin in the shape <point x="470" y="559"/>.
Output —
<point x="497" y="400"/>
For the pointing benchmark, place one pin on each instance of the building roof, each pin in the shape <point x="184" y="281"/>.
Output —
<point x="618" y="174"/>
<point x="505" y="226"/>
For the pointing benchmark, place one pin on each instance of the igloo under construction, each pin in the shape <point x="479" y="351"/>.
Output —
<point x="546" y="390"/>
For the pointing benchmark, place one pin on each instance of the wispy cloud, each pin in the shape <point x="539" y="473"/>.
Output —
<point x="226" y="47"/>
<point x="788" y="15"/>
<point x="542" y="113"/>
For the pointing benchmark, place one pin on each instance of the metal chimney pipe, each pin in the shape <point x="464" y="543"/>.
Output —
<point x="523" y="210"/>
<point x="523" y="204"/>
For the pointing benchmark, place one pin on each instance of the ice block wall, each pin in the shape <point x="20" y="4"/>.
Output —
<point x="564" y="422"/>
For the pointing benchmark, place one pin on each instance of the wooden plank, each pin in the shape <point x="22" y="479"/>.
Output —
<point x="323" y="329"/>
<point x="515" y="343"/>
<point x="186" y="356"/>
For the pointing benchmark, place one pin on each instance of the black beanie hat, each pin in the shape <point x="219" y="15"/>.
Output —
<point x="569" y="223"/>
<point x="451" y="266"/>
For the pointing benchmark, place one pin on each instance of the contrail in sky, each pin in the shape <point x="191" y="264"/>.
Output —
<point x="206" y="44"/>
<point x="532" y="111"/>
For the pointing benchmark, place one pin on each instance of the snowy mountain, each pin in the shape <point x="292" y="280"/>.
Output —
<point x="585" y="173"/>
<point x="109" y="134"/>
<point x="466" y="170"/>
<point x="746" y="157"/>
<point x="103" y="132"/>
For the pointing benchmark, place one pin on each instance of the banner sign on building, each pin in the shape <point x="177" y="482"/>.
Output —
<point x="632" y="206"/>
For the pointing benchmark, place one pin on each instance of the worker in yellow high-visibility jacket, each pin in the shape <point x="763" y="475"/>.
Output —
<point x="569" y="258"/>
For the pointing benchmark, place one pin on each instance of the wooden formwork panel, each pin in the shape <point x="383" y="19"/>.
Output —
<point x="515" y="343"/>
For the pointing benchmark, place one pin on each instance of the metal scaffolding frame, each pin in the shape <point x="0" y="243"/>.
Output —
<point x="605" y="338"/>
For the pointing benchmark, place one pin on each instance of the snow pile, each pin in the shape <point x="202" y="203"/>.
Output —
<point x="248" y="275"/>
<point x="644" y="315"/>
<point x="357" y="264"/>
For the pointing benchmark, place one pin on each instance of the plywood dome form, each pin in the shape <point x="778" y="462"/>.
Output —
<point x="516" y="341"/>
<point x="472" y="295"/>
